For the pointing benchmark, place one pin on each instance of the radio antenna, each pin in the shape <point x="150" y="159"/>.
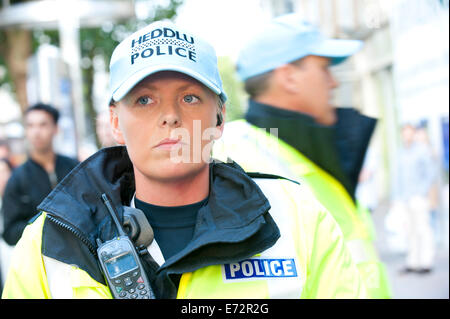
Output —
<point x="113" y="215"/>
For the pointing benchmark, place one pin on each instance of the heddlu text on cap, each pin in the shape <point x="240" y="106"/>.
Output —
<point x="170" y="49"/>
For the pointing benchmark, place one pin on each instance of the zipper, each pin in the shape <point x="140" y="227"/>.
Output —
<point x="74" y="231"/>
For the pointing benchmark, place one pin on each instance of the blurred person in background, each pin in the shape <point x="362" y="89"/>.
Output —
<point x="103" y="129"/>
<point x="5" y="150"/>
<point x="286" y="73"/>
<point x="6" y="169"/>
<point x="5" y="172"/>
<point x="32" y="181"/>
<point x="413" y="183"/>
<point x="104" y="136"/>
<point x="423" y="138"/>
<point x="5" y="165"/>
<point x="367" y="189"/>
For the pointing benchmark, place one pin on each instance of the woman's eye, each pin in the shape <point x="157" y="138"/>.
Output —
<point x="144" y="100"/>
<point x="190" y="98"/>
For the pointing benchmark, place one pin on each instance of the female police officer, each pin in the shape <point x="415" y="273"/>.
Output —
<point x="219" y="233"/>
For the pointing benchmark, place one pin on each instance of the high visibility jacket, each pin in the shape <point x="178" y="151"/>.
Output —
<point x="255" y="149"/>
<point x="270" y="239"/>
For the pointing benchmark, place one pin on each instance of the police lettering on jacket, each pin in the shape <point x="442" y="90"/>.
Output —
<point x="163" y="42"/>
<point x="260" y="268"/>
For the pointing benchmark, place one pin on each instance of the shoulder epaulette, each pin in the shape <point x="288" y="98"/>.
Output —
<point x="270" y="176"/>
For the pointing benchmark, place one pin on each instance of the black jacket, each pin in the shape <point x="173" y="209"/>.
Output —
<point x="28" y="185"/>
<point x="233" y="225"/>
<point x="338" y="149"/>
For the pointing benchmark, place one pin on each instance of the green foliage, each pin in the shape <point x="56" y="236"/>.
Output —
<point x="5" y="77"/>
<point x="233" y="88"/>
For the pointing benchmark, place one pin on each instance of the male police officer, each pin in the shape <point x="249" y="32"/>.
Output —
<point x="286" y="73"/>
<point x="218" y="232"/>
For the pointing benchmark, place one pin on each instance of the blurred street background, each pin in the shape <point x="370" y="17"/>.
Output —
<point x="409" y="286"/>
<point x="58" y="51"/>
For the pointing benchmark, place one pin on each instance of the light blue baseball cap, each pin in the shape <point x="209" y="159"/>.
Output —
<point x="162" y="46"/>
<point x="285" y="39"/>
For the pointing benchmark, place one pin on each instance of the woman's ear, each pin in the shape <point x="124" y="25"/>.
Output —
<point x="115" y="127"/>
<point x="221" y="118"/>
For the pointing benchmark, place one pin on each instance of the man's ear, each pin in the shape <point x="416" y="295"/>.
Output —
<point x="115" y="127"/>
<point x="286" y="77"/>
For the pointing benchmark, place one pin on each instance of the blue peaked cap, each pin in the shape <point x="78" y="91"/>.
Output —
<point x="162" y="46"/>
<point x="285" y="39"/>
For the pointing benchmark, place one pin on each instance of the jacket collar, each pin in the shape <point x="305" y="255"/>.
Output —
<point x="338" y="149"/>
<point x="235" y="219"/>
<point x="76" y="200"/>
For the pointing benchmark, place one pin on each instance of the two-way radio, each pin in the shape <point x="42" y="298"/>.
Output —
<point x="121" y="265"/>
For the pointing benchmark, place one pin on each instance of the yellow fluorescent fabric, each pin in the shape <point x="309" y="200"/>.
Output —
<point x="255" y="150"/>
<point x="26" y="275"/>
<point x="310" y="239"/>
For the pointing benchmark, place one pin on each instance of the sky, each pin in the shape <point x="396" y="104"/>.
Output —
<point x="226" y="25"/>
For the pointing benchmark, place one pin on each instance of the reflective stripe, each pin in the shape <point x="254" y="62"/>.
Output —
<point x="28" y="279"/>
<point x="57" y="277"/>
<point x="68" y="281"/>
<point x="360" y="250"/>
<point x="286" y="245"/>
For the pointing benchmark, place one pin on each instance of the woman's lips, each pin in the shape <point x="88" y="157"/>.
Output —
<point x="168" y="144"/>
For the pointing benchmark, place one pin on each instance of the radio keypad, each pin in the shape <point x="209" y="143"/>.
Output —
<point x="127" y="287"/>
